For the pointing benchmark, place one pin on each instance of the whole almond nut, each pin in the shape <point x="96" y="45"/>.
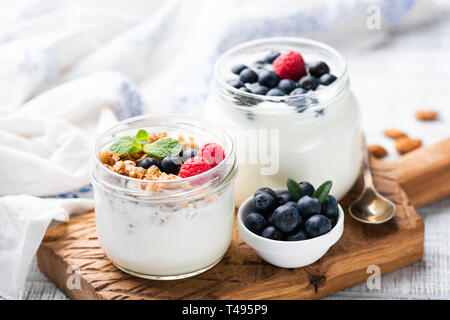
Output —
<point x="426" y="115"/>
<point x="377" y="151"/>
<point x="394" y="134"/>
<point x="405" y="145"/>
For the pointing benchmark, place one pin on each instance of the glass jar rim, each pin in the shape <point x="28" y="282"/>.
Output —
<point x="227" y="167"/>
<point x="338" y="85"/>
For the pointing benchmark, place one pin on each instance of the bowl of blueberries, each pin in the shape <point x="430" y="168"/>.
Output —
<point x="291" y="227"/>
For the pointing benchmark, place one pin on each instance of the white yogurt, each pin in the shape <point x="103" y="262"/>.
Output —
<point x="179" y="231"/>
<point x="164" y="241"/>
<point x="322" y="142"/>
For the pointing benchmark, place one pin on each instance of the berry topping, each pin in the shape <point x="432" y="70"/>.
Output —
<point x="237" y="69"/>
<point x="271" y="233"/>
<point x="289" y="65"/>
<point x="148" y="162"/>
<point x="212" y="154"/>
<point x="171" y="165"/>
<point x="245" y="89"/>
<point x="297" y="235"/>
<point x="256" y="88"/>
<point x="308" y="207"/>
<point x="271" y="56"/>
<point x="317" y="225"/>
<point x="307" y="188"/>
<point x="287" y="85"/>
<point x="330" y="207"/>
<point x="236" y="84"/>
<point x="286" y="218"/>
<point x="188" y="153"/>
<point x="308" y="83"/>
<point x="318" y="68"/>
<point x="275" y="92"/>
<point x="264" y="203"/>
<point x="327" y="79"/>
<point x="193" y="167"/>
<point x="248" y="76"/>
<point x="255" y="222"/>
<point x="268" y="78"/>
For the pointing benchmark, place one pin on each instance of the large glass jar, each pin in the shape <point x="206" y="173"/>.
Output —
<point x="166" y="229"/>
<point x="314" y="136"/>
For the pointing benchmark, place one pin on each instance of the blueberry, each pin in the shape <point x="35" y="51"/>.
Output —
<point x="255" y="222"/>
<point x="330" y="207"/>
<point x="258" y="65"/>
<point x="148" y="162"/>
<point x="256" y="88"/>
<point x="318" y="68"/>
<point x="297" y="91"/>
<point x="171" y="165"/>
<point x="237" y="69"/>
<point x="271" y="233"/>
<point x="327" y="79"/>
<point x="297" y="235"/>
<point x="308" y="206"/>
<point x="287" y="85"/>
<point x="236" y="83"/>
<point x="264" y="203"/>
<point x="284" y="197"/>
<point x="307" y="188"/>
<point x="308" y="83"/>
<point x="291" y="203"/>
<point x="266" y="190"/>
<point x="271" y="57"/>
<point x="268" y="78"/>
<point x="188" y="153"/>
<point x="317" y="225"/>
<point x="248" y="75"/>
<point x="286" y="218"/>
<point x="275" y="92"/>
<point x="245" y="89"/>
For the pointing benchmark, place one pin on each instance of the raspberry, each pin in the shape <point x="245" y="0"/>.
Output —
<point x="212" y="154"/>
<point x="289" y="65"/>
<point x="193" y="167"/>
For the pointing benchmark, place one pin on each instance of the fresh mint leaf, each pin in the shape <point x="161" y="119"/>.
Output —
<point x="322" y="191"/>
<point x="142" y="137"/>
<point x="294" y="189"/>
<point x="163" y="148"/>
<point x="125" y="145"/>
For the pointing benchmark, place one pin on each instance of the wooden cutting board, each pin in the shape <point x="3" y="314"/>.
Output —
<point x="70" y="253"/>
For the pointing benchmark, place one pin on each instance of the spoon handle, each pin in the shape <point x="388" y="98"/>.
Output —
<point x="368" y="181"/>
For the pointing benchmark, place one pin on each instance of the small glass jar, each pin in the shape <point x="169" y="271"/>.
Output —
<point x="167" y="229"/>
<point x="315" y="136"/>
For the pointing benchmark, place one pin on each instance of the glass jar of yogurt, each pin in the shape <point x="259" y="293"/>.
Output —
<point x="165" y="229"/>
<point x="314" y="136"/>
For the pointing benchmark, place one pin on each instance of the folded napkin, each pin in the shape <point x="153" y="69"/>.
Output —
<point x="69" y="70"/>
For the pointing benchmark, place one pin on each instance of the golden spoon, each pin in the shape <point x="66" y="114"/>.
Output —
<point x="371" y="207"/>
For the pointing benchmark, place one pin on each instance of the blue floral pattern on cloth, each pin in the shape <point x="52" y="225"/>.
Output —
<point x="129" y="101"/>
<point x="84" y="192"/>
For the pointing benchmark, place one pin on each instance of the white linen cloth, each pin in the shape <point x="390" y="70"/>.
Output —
<point x="68" y="70"/>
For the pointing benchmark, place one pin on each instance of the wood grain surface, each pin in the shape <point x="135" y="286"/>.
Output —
<point x="72" y="250"/>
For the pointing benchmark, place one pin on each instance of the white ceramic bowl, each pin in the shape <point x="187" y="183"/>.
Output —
<point x="288" y="254"/>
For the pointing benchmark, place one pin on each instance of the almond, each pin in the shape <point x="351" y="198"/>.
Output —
<point x="394" y="134"/>
<point x="405" y="145"/>
<point x="377" y="151"/>
<point x="426" y="115"/>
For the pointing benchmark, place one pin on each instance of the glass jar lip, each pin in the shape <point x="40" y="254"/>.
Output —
<point x="337" y="85"/>
<point x="230" y="156"/>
